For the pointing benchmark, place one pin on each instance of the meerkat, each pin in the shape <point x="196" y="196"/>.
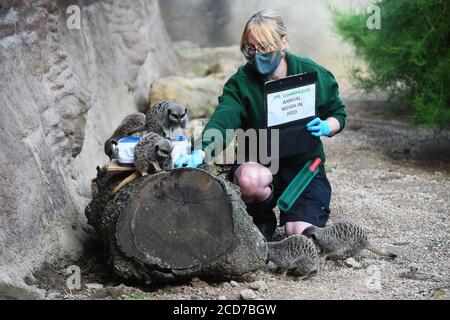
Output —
<point x="164" y="118"/>
<point x="296" y="254"/>
<point x="342" y="240"/>
<point x="129" y="123"/>
<point x="153" y="154"/>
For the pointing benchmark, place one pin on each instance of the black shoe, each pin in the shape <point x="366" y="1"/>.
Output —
<point x="266" y="223"/>
<point x="263" y="215"/>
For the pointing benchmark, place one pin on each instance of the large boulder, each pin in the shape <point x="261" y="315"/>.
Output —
<point x="204" y="72"/>
<point x="198" y="94"/>
<point x="218" y="62"/>
<point x="62" y="93"/>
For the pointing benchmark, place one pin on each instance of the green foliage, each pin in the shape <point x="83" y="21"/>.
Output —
<point x="409" y="57"/>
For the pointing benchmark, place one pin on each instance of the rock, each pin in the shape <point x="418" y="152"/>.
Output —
<point x="121" y="287"/>
<point x="438" y="294"/>
<point x="94" y="286"/>
<point x="197" y="283"/>
<point x="248" y="294"/>
<point x="352" y="263"/>
<point x="198" y="94"/>
<point x="204" y="73"/>
<point x="63" y="92"/>
<point x="52" y="296"/>
<point x="234" y="284"/>
<point x="259" y="285"/>
<point x="218" y="62"/>
<point x="438" y="244"/>
<point x="210" y="291"/>
<point x="221" y="298"/>
<point x="222" y="69"/>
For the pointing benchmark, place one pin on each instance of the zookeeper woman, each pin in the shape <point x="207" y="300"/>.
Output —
<point x="266" y="47"/>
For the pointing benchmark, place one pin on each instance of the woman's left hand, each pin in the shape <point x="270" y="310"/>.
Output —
<point x="318" y="127"/>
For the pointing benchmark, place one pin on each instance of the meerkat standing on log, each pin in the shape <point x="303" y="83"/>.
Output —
<point x="164" y="118"/>
<point x="129" y="123"/>
<point x="153" y="154"/>
<point x="342" y="240"/>
<point x="296" y="254"/>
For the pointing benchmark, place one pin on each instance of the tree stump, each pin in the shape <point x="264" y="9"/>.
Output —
<point x="175" y="225"/>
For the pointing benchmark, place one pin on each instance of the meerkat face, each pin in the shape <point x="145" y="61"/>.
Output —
<point x="324" y="243"/>
<point x="163" y="149"/>
<point x="315" y="234"/>
<point x="177" y="114"/>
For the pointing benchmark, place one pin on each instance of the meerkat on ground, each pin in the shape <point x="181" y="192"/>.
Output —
<point x="296" y="254"/>
<point x="342" y="240"/>
<point x="153" y="154"/>
<point x="130" y="123"/>
<point x="164" y="118"/>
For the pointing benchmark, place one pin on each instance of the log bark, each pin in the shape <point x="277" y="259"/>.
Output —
<point x="175" y="225"/>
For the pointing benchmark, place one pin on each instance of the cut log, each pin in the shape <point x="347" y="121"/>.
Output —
<point x="174" y="225"/>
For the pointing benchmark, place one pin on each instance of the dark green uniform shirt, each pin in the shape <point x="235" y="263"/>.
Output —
<point x="242" y="103"/>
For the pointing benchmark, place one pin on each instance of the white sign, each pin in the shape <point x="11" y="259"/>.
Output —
<point x="291" y="105"/>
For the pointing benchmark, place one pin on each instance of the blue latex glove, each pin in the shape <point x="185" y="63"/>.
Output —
<point x="192" y="160"/>
<point x="318" y="127"/>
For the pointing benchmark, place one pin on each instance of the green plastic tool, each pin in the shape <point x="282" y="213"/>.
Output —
<point x="298" y="184"/>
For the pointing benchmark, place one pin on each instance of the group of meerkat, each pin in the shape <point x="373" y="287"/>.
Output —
<point x="301" y="254"/>
<point x="153" y="152"/>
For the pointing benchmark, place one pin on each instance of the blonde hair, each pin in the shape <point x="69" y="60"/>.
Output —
<point x="267" y="27"/>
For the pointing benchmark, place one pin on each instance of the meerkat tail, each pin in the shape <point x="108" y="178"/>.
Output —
<point x="140" y="129"/>
<point x="126" y="181"/>
<point x="381" y="253"/>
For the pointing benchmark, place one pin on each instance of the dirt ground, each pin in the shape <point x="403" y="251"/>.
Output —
<point x="388" y="176"/>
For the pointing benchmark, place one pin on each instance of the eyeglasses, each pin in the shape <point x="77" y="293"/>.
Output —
<point x="250" y="50"/>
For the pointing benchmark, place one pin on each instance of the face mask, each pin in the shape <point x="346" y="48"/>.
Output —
<point x="267" y="63"/>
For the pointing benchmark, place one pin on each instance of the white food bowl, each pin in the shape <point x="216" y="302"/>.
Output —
<point x="181" y="146"/>
<point x="126" y="148"/>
